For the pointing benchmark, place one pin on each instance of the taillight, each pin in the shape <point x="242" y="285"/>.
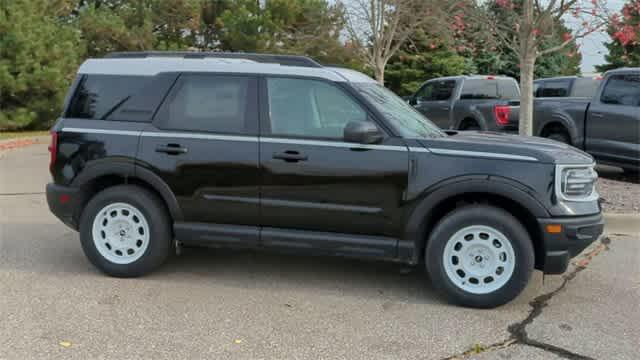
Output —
<point x="53" y="149"/>
<point x="501" y="113"/>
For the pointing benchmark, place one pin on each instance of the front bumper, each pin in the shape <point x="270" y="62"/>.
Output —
<point x="577" y="233"/>
<point x="63" y="202"/>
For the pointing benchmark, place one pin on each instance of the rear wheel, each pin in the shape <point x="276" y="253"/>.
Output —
<point x="125" y="231"/>
<point x="559" y="136"/>
<point x="469" y="125"/>
<point x="480" y="256"/>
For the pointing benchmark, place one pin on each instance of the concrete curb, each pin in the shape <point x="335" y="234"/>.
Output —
<point x="622" y="224"/>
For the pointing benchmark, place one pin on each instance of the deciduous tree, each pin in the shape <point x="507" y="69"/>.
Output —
<point x="523" y="26"/>
<point x="624" y="48"/>
<point x="378" y="28"/>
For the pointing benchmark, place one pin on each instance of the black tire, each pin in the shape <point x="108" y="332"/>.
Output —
<point x="470" y="126"/>
<point x="483" y="215"/>
<point x="160" y="231"/>
<point x="559" y="137"/>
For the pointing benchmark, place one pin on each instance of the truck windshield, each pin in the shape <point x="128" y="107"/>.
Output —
<point x="408" y="121"/>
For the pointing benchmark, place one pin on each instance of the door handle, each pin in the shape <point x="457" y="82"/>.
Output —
<point x="171" y="149"/>
<point x="290" y="156"/>
<point x="597" y="114"/>
<point x="445" y="108"/>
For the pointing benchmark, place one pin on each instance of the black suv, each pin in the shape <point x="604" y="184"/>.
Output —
<point x="156" y="150"/>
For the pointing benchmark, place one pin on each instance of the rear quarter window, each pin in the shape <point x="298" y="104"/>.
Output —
<point x="97" y="97"/>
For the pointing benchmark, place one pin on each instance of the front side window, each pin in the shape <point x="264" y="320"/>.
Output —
<point x="310" y="108"/>
<point x="479" y="89"/>
<point x="622" y="90"/>
<point x="438" y="90"/>
<point x="210" y="103"/>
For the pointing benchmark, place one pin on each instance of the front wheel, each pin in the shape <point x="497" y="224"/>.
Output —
<point x="480" y="256"/>
<point x="125" y="231"/>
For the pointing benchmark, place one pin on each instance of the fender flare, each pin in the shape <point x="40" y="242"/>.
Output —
<point x="414" y="237"/>
<point x="128" y="170"/>
<point x="561" y="119"/>
<point x="472" y="114"/>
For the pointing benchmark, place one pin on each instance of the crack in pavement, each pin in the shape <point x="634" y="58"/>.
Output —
<point x="518" y="330"/>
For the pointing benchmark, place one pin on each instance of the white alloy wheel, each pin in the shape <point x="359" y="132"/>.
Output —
<point x="120" y="233"/>
<point x="479" y="259"/>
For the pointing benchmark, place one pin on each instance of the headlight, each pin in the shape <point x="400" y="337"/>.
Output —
<point x="576" y="182"/>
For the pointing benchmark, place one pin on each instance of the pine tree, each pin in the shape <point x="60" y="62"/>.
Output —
<point x="39" y="54"/>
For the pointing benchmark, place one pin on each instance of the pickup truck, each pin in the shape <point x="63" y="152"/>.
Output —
<point x="606" y="126"/>
<point x="567" y="86"/>
<point x="478" y="102"/>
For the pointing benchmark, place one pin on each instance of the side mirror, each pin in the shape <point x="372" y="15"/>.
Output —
<point x="363" y="132"/>
<point x="413" y="101"/>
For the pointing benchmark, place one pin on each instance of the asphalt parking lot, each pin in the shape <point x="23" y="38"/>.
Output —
<point x="218" y="304"/>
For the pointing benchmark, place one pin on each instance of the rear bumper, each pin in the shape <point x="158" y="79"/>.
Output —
<point x="63" y="202"/>
<point x="577" y="233"/>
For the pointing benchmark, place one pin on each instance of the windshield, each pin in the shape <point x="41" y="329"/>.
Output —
<point x="408" y="121"/>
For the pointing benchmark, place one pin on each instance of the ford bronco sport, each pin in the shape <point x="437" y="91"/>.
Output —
<point x="156" y="150"/>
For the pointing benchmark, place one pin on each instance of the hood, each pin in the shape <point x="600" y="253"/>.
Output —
<point x="544" y="150"/>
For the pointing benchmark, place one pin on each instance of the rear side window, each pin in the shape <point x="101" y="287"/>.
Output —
<point x="98" y="96"/>
<point x="556" y="88"/>
<point x="436" y="90"/>
<point x="622" y="90"/>
<point x="585" y="88"/>
<point x="210" y="103"/>
<point x="479" y="89"/>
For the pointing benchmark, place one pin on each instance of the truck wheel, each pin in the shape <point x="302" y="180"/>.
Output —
<point x="559" y="137"/>
<point x="125" y="231"/>
<point x="469" y="125"/>
<point x="479" y="256"/>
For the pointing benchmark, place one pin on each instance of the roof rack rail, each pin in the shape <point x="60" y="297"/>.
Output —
<point x="287" y="60"/>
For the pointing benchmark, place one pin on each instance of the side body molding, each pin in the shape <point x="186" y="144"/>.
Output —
<point x="412" y="242"/>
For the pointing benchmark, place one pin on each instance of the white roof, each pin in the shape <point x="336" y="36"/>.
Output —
<point x="150" y="66"/>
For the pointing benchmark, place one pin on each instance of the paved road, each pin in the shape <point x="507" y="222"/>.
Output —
<point x="245" y="305"/>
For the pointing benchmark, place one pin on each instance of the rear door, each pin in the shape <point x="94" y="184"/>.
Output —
<point x="315" y="181"/>
<point x="613" y="120"/>
<point x="203" y="144"/>
<point x="434" y="101"/>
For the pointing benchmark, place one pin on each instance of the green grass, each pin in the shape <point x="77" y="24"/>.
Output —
<point x="4" y="135"/>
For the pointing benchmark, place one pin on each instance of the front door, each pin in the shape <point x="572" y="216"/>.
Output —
<point x="312" y="179"/>
<point x="204" y="144"/>
<point x="613" y="123"/>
